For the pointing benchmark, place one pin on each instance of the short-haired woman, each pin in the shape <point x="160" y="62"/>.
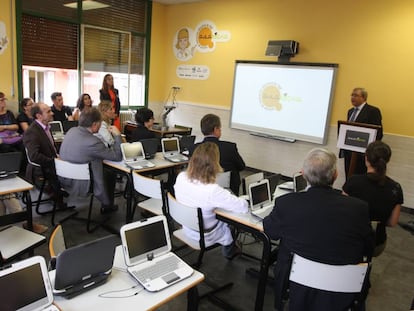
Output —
<point x="197" y="187"/>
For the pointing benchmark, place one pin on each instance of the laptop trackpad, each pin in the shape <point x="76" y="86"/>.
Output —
<point x="171" y="277"/>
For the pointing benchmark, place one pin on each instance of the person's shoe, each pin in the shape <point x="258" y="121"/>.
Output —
<point x="63" y="193"/>
<point x="37" y="228"/>
<point x="106" y="209"/>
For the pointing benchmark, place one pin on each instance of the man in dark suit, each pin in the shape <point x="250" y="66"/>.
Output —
<point x="82" y="146"/>
<point x="362" y="112"/>
<point x="230" y="159"/>
<point x="320" y="224"/>
<point x="40" y="147"/>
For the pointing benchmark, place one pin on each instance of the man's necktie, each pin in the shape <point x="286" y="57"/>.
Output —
<point x="353" y="115"/>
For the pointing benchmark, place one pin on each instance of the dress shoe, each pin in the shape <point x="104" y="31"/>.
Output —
<point x="106" y="209"/>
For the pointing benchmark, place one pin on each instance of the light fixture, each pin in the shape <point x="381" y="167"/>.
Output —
<point x="87" y="5"/>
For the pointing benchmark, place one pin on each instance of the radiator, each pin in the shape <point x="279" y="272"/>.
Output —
<point x="125" y="116"/>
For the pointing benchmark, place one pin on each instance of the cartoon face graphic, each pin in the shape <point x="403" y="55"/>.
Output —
<point x="270" y="96"/>
<point x="205" y="37"/>
<point x="183" y="39"/>
<point x="3" y="38"/>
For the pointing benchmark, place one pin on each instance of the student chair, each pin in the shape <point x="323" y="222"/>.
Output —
<point x="223" y="179"/>
<point x="192" y="217"/>
<point x="154" y="190"/>
<point x="16" y="241"/>
<point x="56" y="244"/>
<point x="36" y="167"/>
<point x="80" y="173"/>
<point x="333" y="278"/>
<point x="246" y="181"/>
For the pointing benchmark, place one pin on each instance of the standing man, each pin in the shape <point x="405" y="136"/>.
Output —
<point x="362" y="112"/>
<point x="320" y="224"/>
<point x="41" y="149"/>
<point x="60" y="112"/>
<point x="230" y="159"/>
<point x="82" y="146"/>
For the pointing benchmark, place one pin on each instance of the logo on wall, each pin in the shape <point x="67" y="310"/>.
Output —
<point x="3" y="37"/>
<point x="187" y="41"/>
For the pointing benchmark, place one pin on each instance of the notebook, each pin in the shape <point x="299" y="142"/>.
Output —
<point x="84" y="266"/>
<point x="150" y="146"/>
<point x="261" y="203"/>
<point x="56" y="129"/>
<point x="298" y="183"/>
<point x="134" y="156"/>
<point x="67" y="125"/>
<point x="171" y="150"/>
<point x="147" y="253"/>
<point x="10" y="164"/>
<point x="25" y="286"/>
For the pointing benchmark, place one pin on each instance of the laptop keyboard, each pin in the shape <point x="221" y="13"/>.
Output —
<point x="160" y="268"/>
<point x="142" y="163"/>
<point x="178" y="158"/>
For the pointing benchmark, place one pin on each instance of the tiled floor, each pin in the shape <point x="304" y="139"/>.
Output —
<point x="392" y="273"/>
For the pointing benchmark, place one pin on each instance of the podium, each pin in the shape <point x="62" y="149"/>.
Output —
<point x="353" y="139"/>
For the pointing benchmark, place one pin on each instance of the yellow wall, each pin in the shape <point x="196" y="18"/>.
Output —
<point x="7" y="72"/>
<point x="370" y="40"/>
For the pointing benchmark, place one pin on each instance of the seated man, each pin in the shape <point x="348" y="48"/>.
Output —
<point x="320" y="224"/>
<point x="41" y="149"/>
<point x="60" y="112"/>
<point x="230" y="159"/>
<point x="82" y="146"/>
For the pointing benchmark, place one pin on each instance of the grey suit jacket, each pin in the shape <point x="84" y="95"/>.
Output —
<point x="81" y="146"/>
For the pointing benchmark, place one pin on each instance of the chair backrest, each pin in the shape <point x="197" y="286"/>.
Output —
<point x="223" y="179"/>
<point x="251" y="179"/>
<point x="56" y="241"/>
<point x="28" y="159"/>
<point x="334" y="278"/>
<point x="184" y="215"/>
<point x="149" y="187"/>
<point x="72" y="170"/>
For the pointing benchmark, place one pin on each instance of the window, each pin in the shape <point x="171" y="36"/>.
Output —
<point x="70" y="47"/>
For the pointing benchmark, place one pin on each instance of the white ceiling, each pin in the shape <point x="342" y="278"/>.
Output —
<point x="175" y="1"/>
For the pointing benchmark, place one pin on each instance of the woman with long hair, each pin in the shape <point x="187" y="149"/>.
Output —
<point x="384" y="195"/>
<point x="84" y="102"/>
<point x="197" y="187"/>
<point x="109" y="92"/>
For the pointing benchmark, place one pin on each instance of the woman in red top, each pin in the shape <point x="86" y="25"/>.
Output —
<point x="109" y="92"/>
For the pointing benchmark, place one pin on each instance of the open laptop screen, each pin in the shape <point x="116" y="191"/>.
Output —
<point x="144" y="239"/>
<point x="23" y="286"/>
<point x="299" y="182"/>
<point x="56" y="127"/>
<point x="259" y="193"/>
<point x="170" y="145"/>
<point x="132" y="151"/>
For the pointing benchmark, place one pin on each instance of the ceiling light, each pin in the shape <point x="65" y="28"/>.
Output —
<point x="87" y="5"/>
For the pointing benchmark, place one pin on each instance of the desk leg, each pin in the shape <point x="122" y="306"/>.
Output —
<point x="29" y="210"/>
<point x="192" y="299"/>
<point x="129" y="195"/>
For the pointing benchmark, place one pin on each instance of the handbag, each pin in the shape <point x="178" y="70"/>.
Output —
<point x="9" y="137"/>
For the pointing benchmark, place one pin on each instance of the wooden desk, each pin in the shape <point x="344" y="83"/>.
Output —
<point x="15" y="185"/>
<point x="120" y="284"/>
<point x="170" y="131"/>
<point x="120" y="167"/>
<point x="249" y="223"/>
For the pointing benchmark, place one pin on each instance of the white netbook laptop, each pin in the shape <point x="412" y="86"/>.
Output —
<point x="147" y="252"/>
<point x="25" y="286"/>
<point x="298" y="183"/>
<point x="133" y="155"/>
<point x="261" y="203"/>
<point x="56" y="128"/>
<point x="171" y="150"/>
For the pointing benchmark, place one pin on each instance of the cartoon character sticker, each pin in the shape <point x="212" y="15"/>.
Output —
<point x="205" y="37"/>
<point x="3" y="38"/>
<point x="184" y="44"/>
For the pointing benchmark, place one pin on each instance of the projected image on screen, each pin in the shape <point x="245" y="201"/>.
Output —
<point x="289" y="100"/>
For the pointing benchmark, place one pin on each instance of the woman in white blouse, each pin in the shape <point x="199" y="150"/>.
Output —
<point x="197" y="187"/>
<point x="106" y="131"/>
